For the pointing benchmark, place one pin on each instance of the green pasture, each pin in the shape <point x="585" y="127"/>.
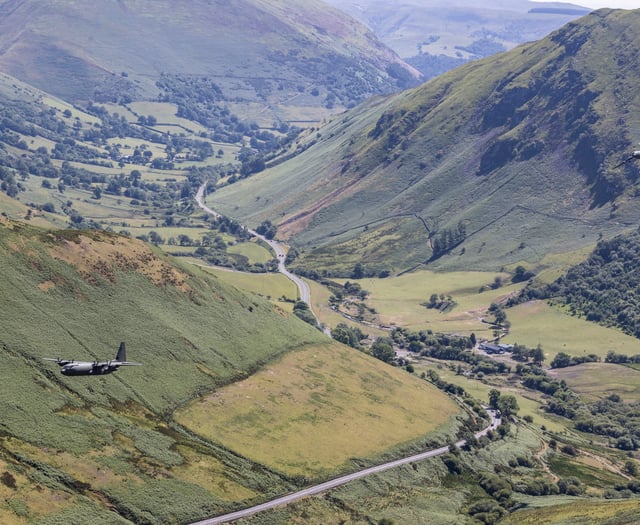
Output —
<point x="121" y="110"/>
<point x="595" y="381"/>
<point x="314" y="410"/>
<point x="128" y="144"/>
<point x="255" y="252"/>
<point x="536" y="323"/>
<point x="38" y="142"/>
<point x="329" y="317"/>
<point x="397" y="300"/>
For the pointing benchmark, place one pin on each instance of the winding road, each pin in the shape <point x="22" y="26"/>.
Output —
<point x="328" y="485"/>
<point x="303" y="288"/>
<point x="305" y="295"/>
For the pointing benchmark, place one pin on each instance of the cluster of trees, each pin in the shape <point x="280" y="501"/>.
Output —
<point x="441" y="302"/>
<point x="267" y="229"/>
<point x="302" y="310"/>
<point x="563" y="360"/>
<point x="200" y="99"/>
<point x="614" y="357"/>
<point x="447" y="239"/>
<point x="609" y="417"/>
<point x="605" y="288"/>
<point x="348" y="335"/>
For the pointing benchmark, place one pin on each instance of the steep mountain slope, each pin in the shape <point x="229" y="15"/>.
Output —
<point x="76" y="449"/>
<point x="252" y="49"/>
<point x="499" y="161"/>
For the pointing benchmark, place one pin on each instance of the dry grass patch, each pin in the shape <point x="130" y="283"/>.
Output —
<point x="94" y="257"/>
<point x="314" y="410"/>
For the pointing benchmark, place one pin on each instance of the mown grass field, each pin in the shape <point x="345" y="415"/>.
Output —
<point x="315" y="410"/>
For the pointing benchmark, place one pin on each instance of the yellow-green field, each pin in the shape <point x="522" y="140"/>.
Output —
<point x="398" y="300"/>
<point x="165" y="113"/>
<point x="595" y="381"/>
<point x="316" y="409"/>
<point x="253" y="251"/>
<point x="536" y="323"/>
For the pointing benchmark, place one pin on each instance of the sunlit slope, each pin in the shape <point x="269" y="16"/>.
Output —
<point x="314" y="411"/>
<point x="519" y="150"/>
<point x="73" y="294"/>
<point x="78" y="294"/>
<point x="79" y="448"/>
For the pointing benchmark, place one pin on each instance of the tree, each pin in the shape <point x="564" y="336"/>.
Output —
<point x="358" y="271"/>
<point x="561" y="360"/>
<point x="268" y="229"/>
<point x="494" y="398"/>
<point x="508" y="405"/>
<point x="382" y="349"/>
<point x="537" y="355"/>
<point x="302" y="310"/>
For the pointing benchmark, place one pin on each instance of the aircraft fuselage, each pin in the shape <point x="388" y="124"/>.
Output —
<point x="82" y="368"/>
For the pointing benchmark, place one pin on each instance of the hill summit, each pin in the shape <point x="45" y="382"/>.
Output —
<point x="502" y="160"/>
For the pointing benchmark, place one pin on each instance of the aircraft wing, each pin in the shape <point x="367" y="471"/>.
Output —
<point x="125" y="363"/>
<point x="61" y="362"/>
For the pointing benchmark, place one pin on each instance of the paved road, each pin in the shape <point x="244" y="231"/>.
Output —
<point x="303" y="288"/>
<point x="328" y="485"/>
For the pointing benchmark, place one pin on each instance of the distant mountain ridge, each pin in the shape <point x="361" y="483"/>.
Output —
<point x="502" y="160"/>
<point x="437" y="35"/>
<point x="255" y="50"/>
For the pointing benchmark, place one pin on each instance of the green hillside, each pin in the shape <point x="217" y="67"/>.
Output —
<point x="75" y="449"/>
<point x="500" y="161"/>
<point x="76" y="295"/>
<point x="297" y="54"/>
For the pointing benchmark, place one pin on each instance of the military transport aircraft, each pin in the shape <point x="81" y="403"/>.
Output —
<point x="93" y="368"/>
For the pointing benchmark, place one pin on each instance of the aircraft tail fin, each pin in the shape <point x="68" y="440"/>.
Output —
<point x="122" y="353"/>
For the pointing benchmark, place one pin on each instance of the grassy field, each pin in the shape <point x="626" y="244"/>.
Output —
<point x="573" y="511"/>
<point x="315" y="410"/>
<point x="530" y="403"/>
<point x="595" y="381"/>
<point x="255" y="252"/>
<point x="536" y="323"/>
<point x="397" y="300"/>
